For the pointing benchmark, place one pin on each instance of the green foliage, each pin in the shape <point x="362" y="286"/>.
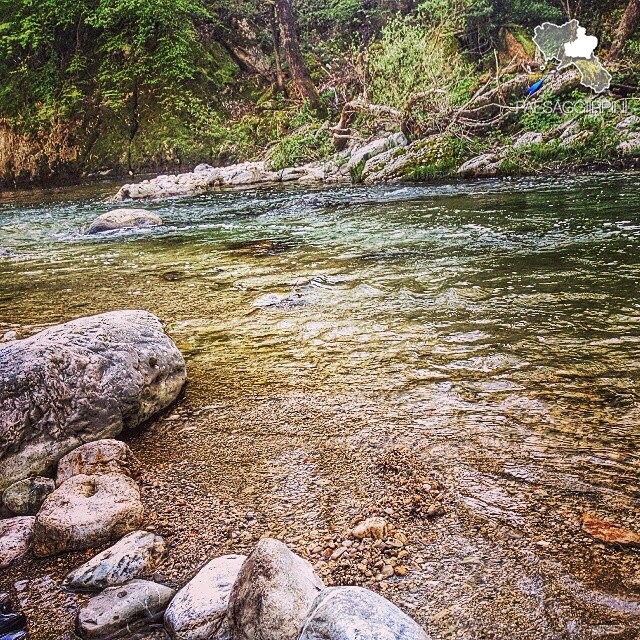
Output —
<point x="307" y="144"/>
<point x="440" y="157"/>
<point x="412" y="57"/>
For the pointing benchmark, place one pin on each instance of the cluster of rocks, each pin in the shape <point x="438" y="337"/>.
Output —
<point x="389" y="158"/>
<point x="205" y="178"/>
<point x="81" y="381"/>
<point x="346" y="166"/>
<point x="273" y="594"/>
<point x="93" y="501"/>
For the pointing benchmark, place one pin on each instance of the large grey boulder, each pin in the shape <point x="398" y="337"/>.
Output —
<point x="486" y="165"/>
<point x="123" y="219"/>
<point x="25" y="496"/>
<point x="99" y="457"/>
<point x="16" y="535"/>
<point x="272" y="594"/>
<point x="354" y="613"/>
<point x="135" y="556"/>
<point x="119" y="612"/>
<point x="84" y="380"/>
<point x="198" y="611"/>
<point x="87" y="511"/>
<point x="360" y="155"/>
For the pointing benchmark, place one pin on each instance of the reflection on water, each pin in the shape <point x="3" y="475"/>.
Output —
<point x="498" y="321"/>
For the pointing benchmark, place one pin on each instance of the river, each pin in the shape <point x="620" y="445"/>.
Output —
<point x="487" y="331"/>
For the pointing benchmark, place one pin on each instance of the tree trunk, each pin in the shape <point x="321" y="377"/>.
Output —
<point x="627" y="28"/>
<point x="291" y="45"/>
<point x="280" y="79"/>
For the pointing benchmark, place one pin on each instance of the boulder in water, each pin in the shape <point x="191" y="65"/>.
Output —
<point x="84" y="380"/>
<point x="123" y="219"/>
<point x="87" y="511"/>
<point x="353" y="613"/>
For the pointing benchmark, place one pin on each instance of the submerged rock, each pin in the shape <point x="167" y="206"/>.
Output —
<point x="118" y="612"/>
<point x="99" y="457"/>
<point x="608" y="531"/>
<point x="354" y="613"/>
<point x="25" y="496"/>
<point x="135" y="556"/>
<point x="272" y="594"/>
<point x="123" y="219"/>
<point x="199" y="609"/>
<point x="16" y="535"/>
<point x="87" y="511"/>
<point x="80" y="381"/>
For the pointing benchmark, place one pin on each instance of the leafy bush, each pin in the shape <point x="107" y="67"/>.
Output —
<point x="411" y="57"/>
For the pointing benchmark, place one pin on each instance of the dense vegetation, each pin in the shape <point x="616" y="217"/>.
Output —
<point x="87" y="85"/>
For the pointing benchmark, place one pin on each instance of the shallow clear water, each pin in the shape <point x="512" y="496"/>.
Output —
<point x="495" y="326"/>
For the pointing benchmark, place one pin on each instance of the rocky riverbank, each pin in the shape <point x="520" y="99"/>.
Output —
<point x="95" y="500"/>
<point x="392" y="158"/>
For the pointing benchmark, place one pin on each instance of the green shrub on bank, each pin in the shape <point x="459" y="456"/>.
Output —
<point x="414" y="57"/>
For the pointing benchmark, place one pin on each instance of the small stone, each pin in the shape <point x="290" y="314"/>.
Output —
<point x="401" y="570"/>
<point x="338" y="553"/>
<point x="387" y="571"/>
<point x="370" y="528"/>
<point x="436" y="509"/>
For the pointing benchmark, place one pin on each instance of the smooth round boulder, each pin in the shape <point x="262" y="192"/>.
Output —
<point x="87" y="511"/>
<point x="199" y="609"/>
<point x="354" y="613"/>
<point x="23" y="498"/>
<point x="16" y="535"/>
<point x="123" y="219"/>
<point x="84" y="380"/>
<point x="135" y="556"/>
<point x="99" y="457"/>
<point x="272" y="593"/>
<point x="119" y="612"/>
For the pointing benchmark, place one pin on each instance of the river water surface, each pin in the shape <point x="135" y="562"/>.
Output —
<point x="491" y="329"/>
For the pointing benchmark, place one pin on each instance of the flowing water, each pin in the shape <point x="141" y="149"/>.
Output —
<point x="490" y="328"/>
